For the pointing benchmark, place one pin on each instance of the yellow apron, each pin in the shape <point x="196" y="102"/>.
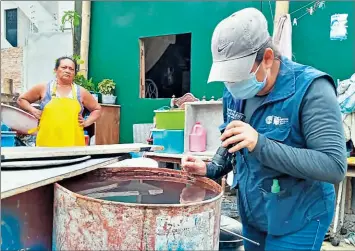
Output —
<point x="59" y="124"/>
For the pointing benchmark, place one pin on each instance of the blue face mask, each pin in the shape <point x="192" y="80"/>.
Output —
<point x="247" y="88"/>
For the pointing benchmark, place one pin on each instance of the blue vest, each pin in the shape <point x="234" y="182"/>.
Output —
<point x="278" y="118"/>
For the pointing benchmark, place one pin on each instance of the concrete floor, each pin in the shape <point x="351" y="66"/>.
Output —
<point x="327" y="246"/>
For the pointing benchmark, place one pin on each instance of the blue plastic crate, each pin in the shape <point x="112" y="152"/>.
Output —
<point x="172" y="140"/>
<point x="8" y="139"/>
<point x="4" y="128"/>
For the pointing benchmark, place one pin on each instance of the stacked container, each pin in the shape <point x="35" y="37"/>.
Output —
<point x="169" y="130"/>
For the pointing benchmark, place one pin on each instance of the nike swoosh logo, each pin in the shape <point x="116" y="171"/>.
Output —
<point x="222" y="47"/>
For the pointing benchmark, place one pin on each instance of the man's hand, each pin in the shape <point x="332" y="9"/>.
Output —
<point x="241" y="134"/>
<point x="37" y="113"/>
<point x="194" y="165"/>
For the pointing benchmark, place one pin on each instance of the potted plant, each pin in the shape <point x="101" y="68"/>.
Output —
<point x="87" y="84"/>
<point x="107" y="89"/>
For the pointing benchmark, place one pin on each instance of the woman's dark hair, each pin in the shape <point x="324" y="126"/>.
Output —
<point x="57" y="62"/>
<point x="269" y="44"/>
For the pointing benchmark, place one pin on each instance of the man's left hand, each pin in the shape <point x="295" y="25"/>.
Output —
<point x="240" y="135"/>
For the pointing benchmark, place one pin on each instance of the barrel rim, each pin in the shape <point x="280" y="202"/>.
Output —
<point x="155" y="206"/>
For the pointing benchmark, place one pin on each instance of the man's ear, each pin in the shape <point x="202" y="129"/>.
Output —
<point x="268" y="58"/>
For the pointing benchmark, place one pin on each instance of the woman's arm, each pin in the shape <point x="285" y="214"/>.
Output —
<point x="92" y="105"/>
<point x="26" y="99"/>
<point x="324" y="158"/>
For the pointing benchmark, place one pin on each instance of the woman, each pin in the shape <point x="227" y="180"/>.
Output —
<point x="290" y="149"/>
<point x="62" y="103"/>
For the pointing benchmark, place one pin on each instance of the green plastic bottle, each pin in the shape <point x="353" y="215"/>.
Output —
<point x="275" y="188"/>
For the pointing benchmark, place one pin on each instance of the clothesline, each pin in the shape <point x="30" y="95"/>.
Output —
<point x="314" y="6"/>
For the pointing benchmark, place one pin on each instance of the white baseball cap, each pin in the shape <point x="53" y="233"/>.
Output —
<point x="235" y="43"/>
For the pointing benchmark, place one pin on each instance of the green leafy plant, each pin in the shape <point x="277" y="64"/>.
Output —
<point x="107" y="87"/>
<point x="85" y="83"/>
<point x="73" y="18"/>
<point x="78" y="59"/>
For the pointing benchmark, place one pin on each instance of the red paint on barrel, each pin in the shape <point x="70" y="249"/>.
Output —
<point x="85" y="223"/>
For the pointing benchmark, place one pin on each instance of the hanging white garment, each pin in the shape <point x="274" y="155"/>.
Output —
<point x="282" y="36"/>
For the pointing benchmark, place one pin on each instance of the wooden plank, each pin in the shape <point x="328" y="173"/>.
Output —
<point x="16" y="182"/>
<point x="166" y="159"/>
<point x="137" y="186"/>
<point x="133" y="188"/>
<point x="125" y="193"/>
<point x="40" y="163"/>
<point x="8" y="86"/>
<point x="107" y="127"/>
<point x="141" y="69"/>
<point x="98" y="189"/>
<point x="11" y="153"/>
<point x="175" y="158"/>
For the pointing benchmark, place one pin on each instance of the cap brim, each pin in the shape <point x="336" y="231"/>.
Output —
<point x="233" y="70"/>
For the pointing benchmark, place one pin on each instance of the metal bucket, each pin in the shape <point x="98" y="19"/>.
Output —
<point x="227" y="240"/>
<point x="86" y="223"/>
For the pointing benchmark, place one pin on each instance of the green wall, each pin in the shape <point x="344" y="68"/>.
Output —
<point x="117" y="26"/>
<point x="114" y="48"/>
<point x="311" y="44"/>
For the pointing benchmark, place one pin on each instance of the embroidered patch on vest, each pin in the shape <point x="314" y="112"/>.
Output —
<point x="276" y="120"/>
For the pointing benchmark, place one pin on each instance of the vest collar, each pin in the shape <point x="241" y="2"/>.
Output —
<point x="285" y="82"/>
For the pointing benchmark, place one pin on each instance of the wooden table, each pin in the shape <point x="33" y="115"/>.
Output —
<point x="173" y="158"/>
<point x="344" y="195"/>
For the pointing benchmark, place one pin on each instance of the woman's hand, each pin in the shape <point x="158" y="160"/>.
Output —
<point x="239" y="135"/>
<point x="193" y="165"/>
<point x="81" y="120"/>
<point x="37" y="113"/>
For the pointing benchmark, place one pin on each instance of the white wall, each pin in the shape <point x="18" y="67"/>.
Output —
<point x="41" y="11"/>
<point x="40" y="50"/>
<point x="40" y="53"/>
<point x="23" y="25"/>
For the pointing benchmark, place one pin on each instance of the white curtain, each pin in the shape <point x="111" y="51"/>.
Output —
<point x="155" y="48"/>
<point x="282" y="36"/>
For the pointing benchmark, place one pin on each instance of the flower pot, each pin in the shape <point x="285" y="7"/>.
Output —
<point x="108" y="99"/>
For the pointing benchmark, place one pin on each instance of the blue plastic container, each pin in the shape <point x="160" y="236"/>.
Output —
<point x="136" y="155"/>
<point x="172" y="140"/>
<point x="4" y="128"/>
<point x="8" y="139"/>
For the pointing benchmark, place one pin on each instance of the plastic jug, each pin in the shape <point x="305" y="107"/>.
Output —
<point x="198" y="138"/>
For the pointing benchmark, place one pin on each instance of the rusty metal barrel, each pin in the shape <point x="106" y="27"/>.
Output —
<point x="137" y="209"/>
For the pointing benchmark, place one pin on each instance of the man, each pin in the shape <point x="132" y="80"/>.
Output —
<point x="62" y="103"/>
<point x="291" y="148"/>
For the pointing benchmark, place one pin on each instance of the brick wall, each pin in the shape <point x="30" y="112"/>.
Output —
<point x="11" y="66"/>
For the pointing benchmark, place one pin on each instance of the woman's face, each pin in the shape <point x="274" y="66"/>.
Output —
<point x="66" y="71"/>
